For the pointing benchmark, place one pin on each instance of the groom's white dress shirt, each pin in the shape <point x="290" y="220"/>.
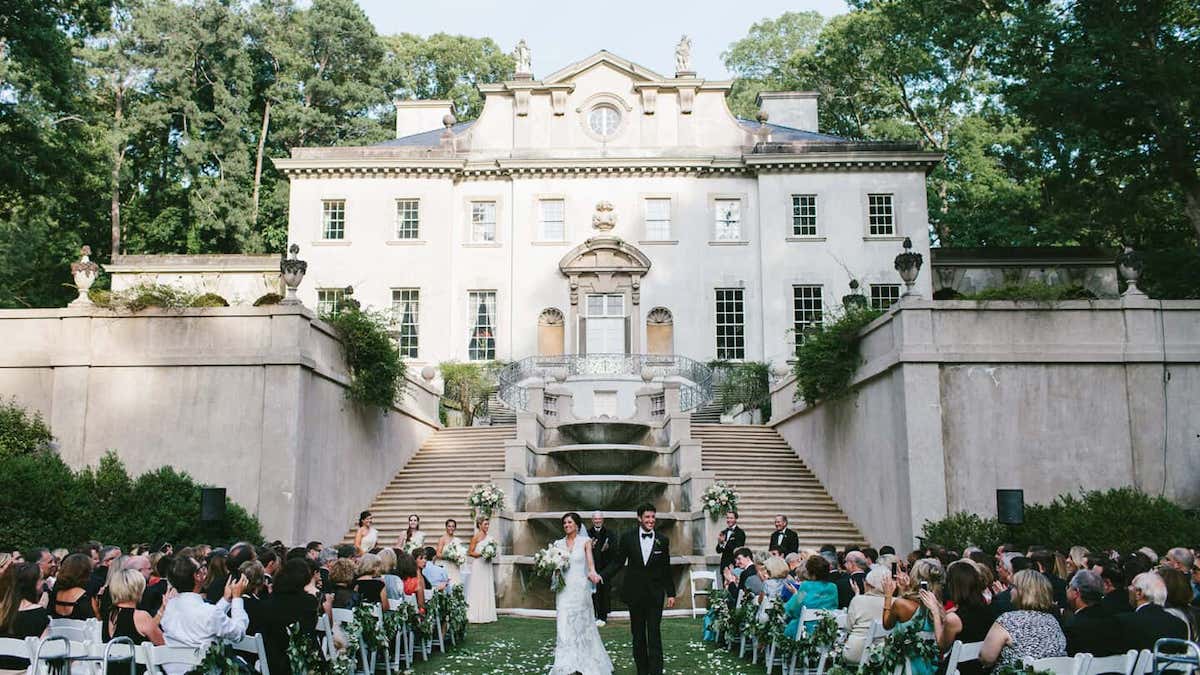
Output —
<point x="647" y="544"/>
<point x="190" y="622"/>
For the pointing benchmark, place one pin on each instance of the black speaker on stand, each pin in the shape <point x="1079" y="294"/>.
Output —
<point x="212" y="505"/>
<point x="1010" y="507"/>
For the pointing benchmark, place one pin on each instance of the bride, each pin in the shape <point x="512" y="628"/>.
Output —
<point x="578" y="648"/>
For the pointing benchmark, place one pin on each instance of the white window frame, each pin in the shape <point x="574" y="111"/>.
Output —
<point x="877" y="295"/>
<point x="329" y="300"/>
<point x="721" y="231"/>
<point x="799" y="214"/>
<point x="405" y="229"/>
<point x="408" y="343"/>
<point x="874" y="210"/>
<point x="802" y="316"/>
<point x="543" y="234"/>
<point x="487" y="352"/>
<point x="650" y="232"/>
<point x="326" y="225"/>
<point x="727" y="345"/>
<point x="472" y="231"/>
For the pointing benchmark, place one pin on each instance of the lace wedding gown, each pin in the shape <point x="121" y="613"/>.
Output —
<point x="578" y="648"/>
<point x="481" y="591"/>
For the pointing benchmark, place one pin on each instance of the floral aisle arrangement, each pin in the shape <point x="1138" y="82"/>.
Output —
<point x="485" y="500"/>
<point x="552" y="562"/>
<point x="905" y="644"/>
<point x="370" y="631"/>
<point x="413" y="543"/>
<point x="454" y="552"/>
<point x="717" y="618"/>
<point x="306" y="659"/>
<point x="452" y="608"/>
<point x="719" y="498"/>
<point x="489" y="551"/>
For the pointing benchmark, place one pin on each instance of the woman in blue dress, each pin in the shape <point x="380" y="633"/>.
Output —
<point x="919" y="590"/>
<point x="815" y="592"/>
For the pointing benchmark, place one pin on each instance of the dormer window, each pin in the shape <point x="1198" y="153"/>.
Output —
<point x="604" y="120"/>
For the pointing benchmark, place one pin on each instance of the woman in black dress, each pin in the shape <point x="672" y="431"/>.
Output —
<point x="369" y="585"/>
<point x="20" y="614"/>
<point x="294" y="601"/>
<point x="71" y="599"/>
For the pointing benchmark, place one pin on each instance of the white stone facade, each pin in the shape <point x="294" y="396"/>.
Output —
<point x="605" y="130"/>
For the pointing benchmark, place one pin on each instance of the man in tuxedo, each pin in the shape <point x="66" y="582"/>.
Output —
<point x="1090" y="628"/>
<point x="730" y="539"/>
<point x="645" y="556"/>
<point x="1149" y="621"/>
<point x="742" y="577"/>
<point x="603" y="545"/>
<point x="787" y="541"/>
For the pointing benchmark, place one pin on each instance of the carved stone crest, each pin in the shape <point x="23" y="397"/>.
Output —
<point x="604" y="219"/>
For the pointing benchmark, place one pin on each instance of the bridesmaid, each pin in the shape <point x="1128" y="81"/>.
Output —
<point x="445" y="540"/>
<point x="481" y="592"/>
<point x="413" y="533"/>
<point x="366" y="535"/>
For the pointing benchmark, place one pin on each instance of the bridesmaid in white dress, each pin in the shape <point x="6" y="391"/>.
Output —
<point x="481" y="592"/>
<point x="445" y="540"/>
<point x="366" y="535"/>
<point x="413" y="533"/>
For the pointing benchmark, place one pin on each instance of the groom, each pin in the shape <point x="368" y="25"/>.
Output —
<point x="647" y="555"/>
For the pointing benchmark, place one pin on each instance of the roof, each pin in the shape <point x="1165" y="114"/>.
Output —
<point x="425" y="139"/>
<point x="782" y="134"/>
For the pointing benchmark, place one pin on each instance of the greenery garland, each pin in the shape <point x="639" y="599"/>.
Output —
<point x="303" y="655"/>
<point x="219" y="659"/>
<point x="376" y="368"/>
<point x="369" y="628"/>
<point x="902" y="644"/>
<point x="718" y="615"/>
<point x="827" y="355"/>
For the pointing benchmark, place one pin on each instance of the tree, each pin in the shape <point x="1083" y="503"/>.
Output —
<point x="22" y="432"/>
<point x="762" y="61"/>
<point x="445" y="66"/>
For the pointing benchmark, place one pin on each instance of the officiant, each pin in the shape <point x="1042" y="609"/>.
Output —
<point x="602" y="545"/>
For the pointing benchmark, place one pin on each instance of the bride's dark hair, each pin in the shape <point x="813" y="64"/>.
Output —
<point x="575" y="517"/>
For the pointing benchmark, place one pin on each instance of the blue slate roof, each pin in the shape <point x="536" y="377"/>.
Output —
<point x="425" y="138"/>
<point x="782" y="134"/>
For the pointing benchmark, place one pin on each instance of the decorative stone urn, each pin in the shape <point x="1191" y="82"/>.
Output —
<point x="292" y="270"/>
<point x="428" y="373"/>
<point x="84" y="271"/>
<point x="604" y="219"/>
<point x="1129" y="265"/>
<point x="854" y="299"/>
<point x="908" y="264"/>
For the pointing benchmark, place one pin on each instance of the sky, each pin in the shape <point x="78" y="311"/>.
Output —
<point x="563" y="32"/>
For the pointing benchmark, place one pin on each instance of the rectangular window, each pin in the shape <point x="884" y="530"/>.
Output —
<point x="807" y="309"/>
<point x="483" y="221"/>
<point x="884" y="295"/>
<point x="408" y="219"/>
<point x="729" y="220"/>
<point x="804" y="215"/>
<point x="406" y="315"/>
<point x="552" y="222"/>
<point x="329" y="300"/>
<point x="333" y="219"/>
<point x="658" y="219"/>
<point x="481" y="345"/>
<point x="880" y="215"/>
<point x="731" y="324"/>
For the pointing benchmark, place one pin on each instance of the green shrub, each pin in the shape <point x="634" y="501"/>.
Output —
<point x="268" y="299"/>
<point x="22" y="433"/>
<point x="467" y="386"/>
<point x="137" y="298"/>
<point x="208" y="300"/>
<point x="1171" y="274"/>
<point x="827" y="356"/>
<point x="376" y="368"/>
<point x="100" y="297"/>
<point x="1121" y="519"/>
<point x="747" y="384"/>
<point x="1034" y="291"/>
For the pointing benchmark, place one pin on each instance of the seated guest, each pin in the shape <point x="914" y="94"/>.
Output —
<point x="1047" y="563"/>
<point x="393" y="583"/>
<point x="1179" y="597"/>
<point x="968" y="617"/>
<point x="1031" y="630"/>
<point x="271" y="562"/>
<point x="1077" y="559"/>
<point x="414" y="583"/>
<point x="1090" y="628"/>
<point x="189" y="621"/>
<point x="253" y="600"/>
<point x="742" y="577"/>
<point x="218" y="575"/>
<point x="369" y="585"/>
<point x="775" y="570"/>
<point x="865" y="609"/>
<point x="341" y="575"/>
<point x="70" y="599"/>
<point x="20" y="614"/>
<point x="919" y="605"/>
<point x="125" y="619"/>
<point x="295" y="601"/>
<point x="1148" y="621"/>
<point x="1116" y="591"/>
<point x="856" y="565"/>
<point x="1010" y="564"/>
<point x="815" y="592"/>
<point x="436" y="578"/>
<point x="156" y="585"/>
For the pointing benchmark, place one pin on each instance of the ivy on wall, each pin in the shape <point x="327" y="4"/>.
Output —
<point x="376" y="368"/>
<point x="827" y="355"/>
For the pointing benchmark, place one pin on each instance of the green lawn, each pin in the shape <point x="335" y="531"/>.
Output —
<point x="513" y="646"/>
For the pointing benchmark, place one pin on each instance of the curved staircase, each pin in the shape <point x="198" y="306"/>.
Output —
<point x="772" y="479"/>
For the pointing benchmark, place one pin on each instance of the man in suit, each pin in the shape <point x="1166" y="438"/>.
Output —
<point x="742" y="577"/>
<point x="1149" y="621"/>
<point x="646" y="557"/>
<point x="787" y="541"/>
<point x="603" y="545"/>
<point x="730" y="539"/>
<point x="1090" y="629"/>
<point x="854" y="581"/>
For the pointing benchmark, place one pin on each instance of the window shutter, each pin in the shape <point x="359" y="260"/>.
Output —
<point x="582" y="335"/>
<point x="628" y="336"/>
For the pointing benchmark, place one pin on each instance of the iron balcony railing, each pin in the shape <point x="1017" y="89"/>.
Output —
<point x="696" y="378"/>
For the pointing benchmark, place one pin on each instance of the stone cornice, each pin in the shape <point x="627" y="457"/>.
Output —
<point x="856" y="159"/>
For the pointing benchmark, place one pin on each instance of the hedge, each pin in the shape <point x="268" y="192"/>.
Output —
<point x="1120" y="519"/>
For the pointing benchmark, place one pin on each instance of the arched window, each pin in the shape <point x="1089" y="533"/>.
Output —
<point x="551" y="325"/>
<point x="660" y="331"/>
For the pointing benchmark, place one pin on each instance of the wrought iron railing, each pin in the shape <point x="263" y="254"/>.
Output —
<point x="695" y="377"/>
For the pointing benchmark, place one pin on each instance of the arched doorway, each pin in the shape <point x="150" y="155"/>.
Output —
<point x="551" y="333"/>
<point x="605" y="276"/>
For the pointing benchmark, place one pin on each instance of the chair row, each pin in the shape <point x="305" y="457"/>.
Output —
<point x="95" y="657"/>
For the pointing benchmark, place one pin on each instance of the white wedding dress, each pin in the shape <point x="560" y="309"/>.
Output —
<point x="577" y="646"/>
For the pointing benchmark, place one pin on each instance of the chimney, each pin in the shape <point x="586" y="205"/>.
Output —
<point x="795" y="109"/>
<point x="414" y="117"/>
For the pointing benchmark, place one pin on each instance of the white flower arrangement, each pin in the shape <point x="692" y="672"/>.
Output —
<point x="719" y="498"/>
<point x="489" y="551"/>
<point x="454" y="552"/>
<point x="485" y="500"/>
<point x="415" y="542"/>
<point x="552" y="562"/>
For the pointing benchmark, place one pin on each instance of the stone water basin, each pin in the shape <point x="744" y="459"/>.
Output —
<point x="608" y="459"/>
<point x="586" y="493"/>
<point x="602" y="431"/>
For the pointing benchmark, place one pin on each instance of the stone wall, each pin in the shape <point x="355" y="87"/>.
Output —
<point x="252" y="399"/>
<point x="957" y="399"/>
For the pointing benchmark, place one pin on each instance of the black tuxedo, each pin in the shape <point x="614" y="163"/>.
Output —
<point x="735" y="538"/>
<point x="786" y="540"/>
<point x="1094" y="631"/>
<point x="1148" y="623"/>
<point x="644" y="587"/>
<point x="604" y="544"/>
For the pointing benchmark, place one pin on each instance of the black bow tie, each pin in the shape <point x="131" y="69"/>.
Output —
<point x="647" y="535"/>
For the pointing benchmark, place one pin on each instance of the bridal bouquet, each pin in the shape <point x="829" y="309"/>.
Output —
<point x="552" y="562"/>
<point x="414" y="542"/>
<point x="485" y="500"/>
<point x="489" y="551"/>
<point x="454" y="552"/>
<point x="720" y="497"/>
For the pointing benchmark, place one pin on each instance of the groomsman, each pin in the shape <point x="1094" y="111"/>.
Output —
<point x="603" y="542"/>
<point x="730" y="539"/>
<point x="787" y="541"/>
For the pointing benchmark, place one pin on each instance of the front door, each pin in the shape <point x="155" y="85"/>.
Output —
<point x="605" y="324"/>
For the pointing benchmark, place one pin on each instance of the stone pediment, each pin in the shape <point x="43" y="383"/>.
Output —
<point x="635" y="72"/>
<point x="604" y="254"/>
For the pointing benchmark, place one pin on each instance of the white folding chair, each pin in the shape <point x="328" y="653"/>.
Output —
<point x="876" y="632"/>
<point x="807" y="615"/>
<point x="254" y="646"/>
<point x="157" y="657"/>
<point x="961" y="652"/>
<point x="341" y="617"/>
<point x="15" y="648"/>
<point x="437" y="637"/>
<point x="1062" y="665"/>
<point x="56" y="648"/>
<point x="749" y="638"/>
<point x="385" y="645"/>
<point x="1183" y="656"/>
<point x="704" y="575"/>
<point x="326" y="635"/>
<point x="76" y="630"/>
<point x="119" y="650"/>
<point x="1144" y="663"/>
